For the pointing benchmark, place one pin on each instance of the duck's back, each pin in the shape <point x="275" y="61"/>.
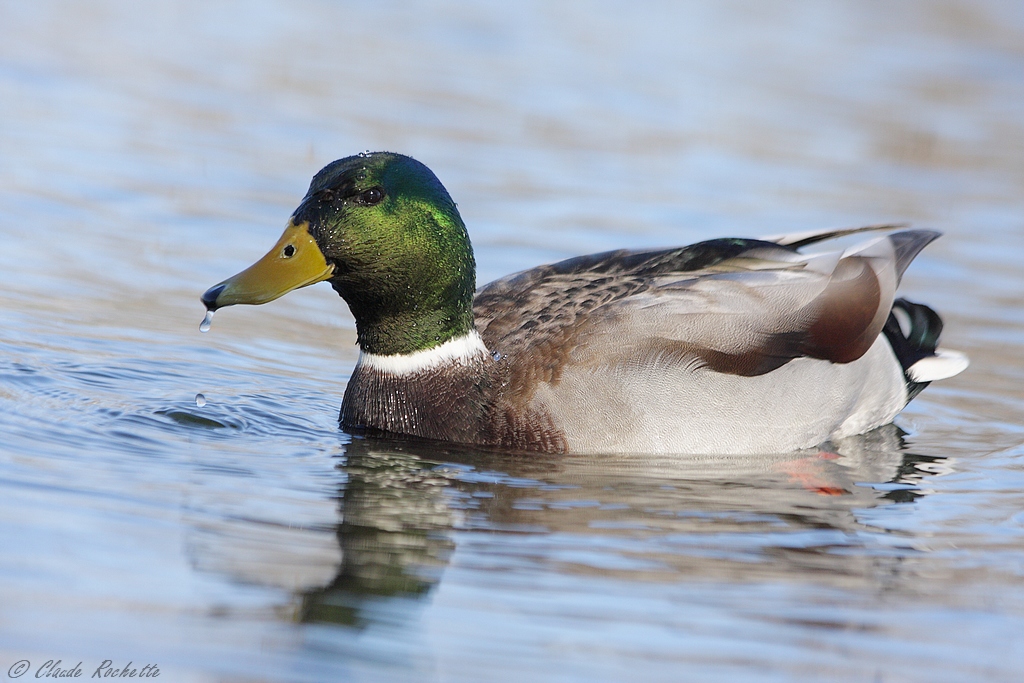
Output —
<point x="724" y="346"/>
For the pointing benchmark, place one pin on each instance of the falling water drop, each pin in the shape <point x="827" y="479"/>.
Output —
<point x="200" y="400"/>
<point x="205" y="325"/>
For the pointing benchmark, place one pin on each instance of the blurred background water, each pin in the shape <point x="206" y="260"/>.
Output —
<point x="147" y="150"/>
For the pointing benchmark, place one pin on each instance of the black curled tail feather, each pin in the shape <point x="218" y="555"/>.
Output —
<point x="923" y="327"/>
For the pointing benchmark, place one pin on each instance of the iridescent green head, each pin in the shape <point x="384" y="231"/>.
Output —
<point x="386" y="234"/>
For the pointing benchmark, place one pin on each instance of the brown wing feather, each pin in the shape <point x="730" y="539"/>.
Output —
<point x="850" y="314"/>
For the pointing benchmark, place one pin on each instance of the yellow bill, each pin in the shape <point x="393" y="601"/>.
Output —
<point x="295" y="261"/>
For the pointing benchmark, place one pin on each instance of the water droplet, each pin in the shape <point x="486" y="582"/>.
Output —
<point x="205" y="325"/>
<point x="200" y="400"/>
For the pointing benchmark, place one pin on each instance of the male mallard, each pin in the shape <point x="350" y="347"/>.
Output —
<point x="729" y="345"/>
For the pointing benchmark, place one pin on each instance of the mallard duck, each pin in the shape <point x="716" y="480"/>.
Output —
<point x="725" y="346"/>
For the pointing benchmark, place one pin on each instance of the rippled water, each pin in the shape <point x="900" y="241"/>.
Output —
<point x="147" y="152"/>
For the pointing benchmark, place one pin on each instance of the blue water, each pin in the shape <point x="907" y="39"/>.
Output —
<point x="148" y="152"/>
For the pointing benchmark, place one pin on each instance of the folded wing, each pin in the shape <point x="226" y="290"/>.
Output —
<point x="742" y="307"/>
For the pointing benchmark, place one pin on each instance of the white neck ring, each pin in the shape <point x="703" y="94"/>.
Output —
<point x="455" y="351"/>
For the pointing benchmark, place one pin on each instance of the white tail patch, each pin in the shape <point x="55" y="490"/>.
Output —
<point x="945" y="363"/>
<point x="455" y="350"/>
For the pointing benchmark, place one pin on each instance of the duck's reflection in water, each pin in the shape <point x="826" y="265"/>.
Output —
<point x="394" y="533"/>
<point x="804" y="517"/>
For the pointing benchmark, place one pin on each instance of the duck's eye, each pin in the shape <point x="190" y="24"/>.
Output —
<point x="370" y="197"/>
<point x="288" y="251"/>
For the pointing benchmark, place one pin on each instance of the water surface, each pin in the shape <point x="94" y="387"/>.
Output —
<point x="146" y="153"/>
